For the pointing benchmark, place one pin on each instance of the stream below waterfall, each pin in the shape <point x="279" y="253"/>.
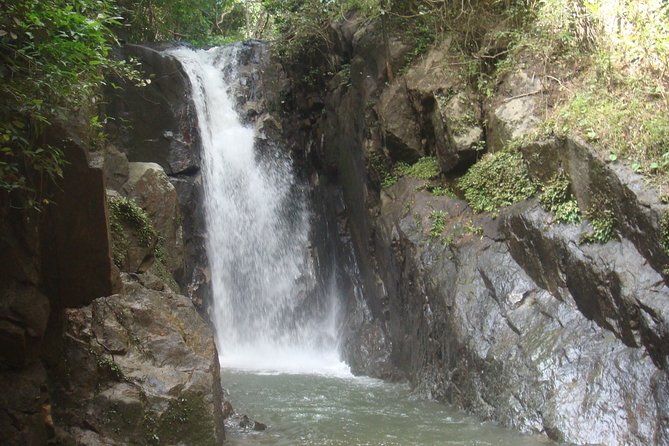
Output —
<point x="326" y="410"/>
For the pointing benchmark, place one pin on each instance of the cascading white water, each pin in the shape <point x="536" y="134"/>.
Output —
<point x="262" y="274"/>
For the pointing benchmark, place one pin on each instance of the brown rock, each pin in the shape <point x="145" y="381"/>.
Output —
<point x="142" y="367"/>
<point x="149" y="186"/>
<point x="76" y="258"/>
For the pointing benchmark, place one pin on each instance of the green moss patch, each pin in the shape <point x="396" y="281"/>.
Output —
<point x="186" y="420"/>
<point x="127" y="218"/>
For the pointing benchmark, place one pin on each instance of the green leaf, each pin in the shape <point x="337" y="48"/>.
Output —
<point x="613" y="157"/>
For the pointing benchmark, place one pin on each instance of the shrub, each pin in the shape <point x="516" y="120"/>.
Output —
<point x="497" y="180"/>
<point x="425" y="168"/>
<point x="556" y="198"/>
<point x="603" y="223"/>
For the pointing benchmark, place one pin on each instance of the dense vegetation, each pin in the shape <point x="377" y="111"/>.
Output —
<point x="54" y="57"/>
<point x="608" y="59"/>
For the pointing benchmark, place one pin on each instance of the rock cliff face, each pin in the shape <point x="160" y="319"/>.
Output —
<point x="510" y="317"/>
<point x="51" y="260"/>
<point x="89" y="356"/>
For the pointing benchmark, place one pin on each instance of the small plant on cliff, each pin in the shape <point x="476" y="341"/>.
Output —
<point x="438" y="219"/>
<point x="497" y="180"/>
<point x="603" y="223"/>
<point x="425" y="168"/>
<point x="664" y="231"/>
<point x="378" y="165"/>
<point x="557" y="199"/>
<point x="124" y="212"/>
<point x="442" y="191"/>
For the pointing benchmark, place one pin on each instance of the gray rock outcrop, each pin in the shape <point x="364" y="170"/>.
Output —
<point x="139" y="367"/>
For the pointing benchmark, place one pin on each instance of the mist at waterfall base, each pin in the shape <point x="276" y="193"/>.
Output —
<point x="269" y="312"/>
<point x="276" y="326"/>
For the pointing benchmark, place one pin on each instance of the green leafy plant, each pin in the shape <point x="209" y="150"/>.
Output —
<point x="438" y="219"/>
<point x="55" y="55"/>
<point x="472" y="228"/>
<point x="664" y="231"/>
<point x="603" y="223"/>
<point x="379" y="167"/>
<point x="425" y="168"/>
<point x="442" y="191"/>
<point x="556" y="198"/>
<point x="497" y="180"/>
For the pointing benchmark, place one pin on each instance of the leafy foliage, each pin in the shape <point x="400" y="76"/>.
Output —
<point x="438" y="219"/>
<point x="556" y="198"/>
<point x="442" y="191"/>
<point x="192" y="20"/>
<point x="54" y="55"/>
<point x="603" y="223"/>
<point x="424" y="169"/>
<point x="497" y="180"/>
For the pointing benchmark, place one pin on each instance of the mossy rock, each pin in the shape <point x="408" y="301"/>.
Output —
<point x="186" y="420"/>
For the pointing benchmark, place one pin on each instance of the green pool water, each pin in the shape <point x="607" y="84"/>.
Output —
<point x="346" y="411"/>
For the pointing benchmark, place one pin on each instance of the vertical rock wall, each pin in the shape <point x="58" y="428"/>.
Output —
<point x="510" y="318"/>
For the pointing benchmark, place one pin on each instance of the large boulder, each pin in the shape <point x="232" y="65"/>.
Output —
<point x="398" y="120"/>
<point x="151" y="189"/>
<point x="517" y="108"/>
<point x="138" y="368"/>
<point x="76" y="256"/>
<point x="447" y="107"/>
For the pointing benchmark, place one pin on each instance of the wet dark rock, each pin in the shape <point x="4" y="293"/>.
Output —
<point x="227" y="409"/>
<point x="244" y="424"/>
<point x="479" y="329"/>
<point x="155" y="123"/>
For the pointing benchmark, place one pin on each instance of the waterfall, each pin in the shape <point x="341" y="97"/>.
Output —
<point x="270" y="314"/>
